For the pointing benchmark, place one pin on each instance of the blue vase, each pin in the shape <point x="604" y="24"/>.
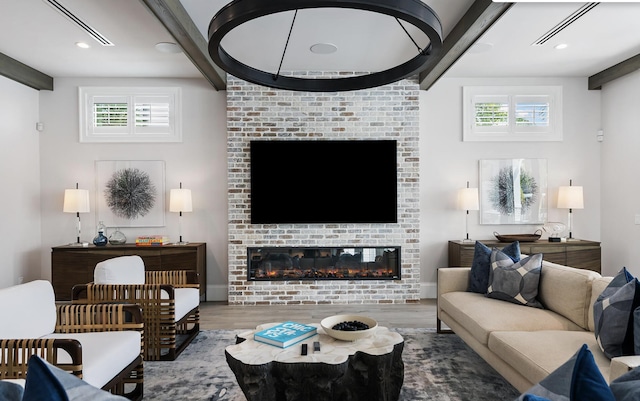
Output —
<point x="100" y="240"/>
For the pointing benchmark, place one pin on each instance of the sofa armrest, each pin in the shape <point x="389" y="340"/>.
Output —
<point x="452" y="279"/>
<point x="177" y="278"/>
<point x="621" y="365"/>
<point x="83" y="318"/>
<point x="15" y="353"/>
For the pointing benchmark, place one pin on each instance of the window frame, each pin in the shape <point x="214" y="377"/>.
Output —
<point x="512" y="132"/>
<point x="131" y="133"/>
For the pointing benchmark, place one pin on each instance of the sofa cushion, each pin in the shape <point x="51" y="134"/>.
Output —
<point x="58" y="385"/>
<point x="515" y="282"/>
<point x="535" y="354"/>
<point x="577" y="379"/>
<point x="104" y="354"/>
<point x="120" y="270"/>
<point x="613" y="315"/>
<point x="481" y="265"/>
<point x="186" y="300"/>
<point x="470" y="310"/>
<point x="567" y="291"/>
<point x="34" y="300"/>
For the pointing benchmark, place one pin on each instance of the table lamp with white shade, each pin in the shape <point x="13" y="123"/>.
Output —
<point x="180" y="201"/>
<point x="570" y="197"/>
<point x="76" y="201"/>
<point x="468" y="200"/>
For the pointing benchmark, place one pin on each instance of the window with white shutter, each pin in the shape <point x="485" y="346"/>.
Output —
<point x="512" y="113"/>
<point x="113" y="114"/>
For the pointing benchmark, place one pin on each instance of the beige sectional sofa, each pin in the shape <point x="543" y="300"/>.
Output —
<point x="522" y="343"/>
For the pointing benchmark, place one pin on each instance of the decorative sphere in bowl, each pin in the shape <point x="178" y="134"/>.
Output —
<point x="331" y="321"/>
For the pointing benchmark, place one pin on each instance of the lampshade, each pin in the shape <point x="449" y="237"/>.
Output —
<point x="76" y="201"/>
<point x="468" y="199"/>
<point x="570" y="197"/>
<point x="180" y="200"/>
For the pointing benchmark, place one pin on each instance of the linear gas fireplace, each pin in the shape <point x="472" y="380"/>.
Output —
<point x="327" y="263"/>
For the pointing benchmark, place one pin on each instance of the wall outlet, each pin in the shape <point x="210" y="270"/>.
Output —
<point x="637" y="219"/>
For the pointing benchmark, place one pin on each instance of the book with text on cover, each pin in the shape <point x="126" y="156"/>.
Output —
<point x="285" y="334"/>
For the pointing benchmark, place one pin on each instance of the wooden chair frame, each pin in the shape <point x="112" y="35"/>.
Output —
<point x="15" y="353"/>
<point x="165" y="338"/>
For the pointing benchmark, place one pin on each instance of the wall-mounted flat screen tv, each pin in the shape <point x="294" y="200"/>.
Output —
<point x="323" y="181"/>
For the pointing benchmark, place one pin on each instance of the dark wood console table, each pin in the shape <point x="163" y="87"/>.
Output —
<point x="579" y="253"/>
<point x="71" y="265"/>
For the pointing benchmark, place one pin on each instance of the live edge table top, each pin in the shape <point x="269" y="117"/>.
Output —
<point x="332" y="351"/>
<point x="368" y="369"/>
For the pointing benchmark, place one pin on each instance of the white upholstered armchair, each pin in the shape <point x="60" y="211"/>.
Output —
<point x="170" y="301"/>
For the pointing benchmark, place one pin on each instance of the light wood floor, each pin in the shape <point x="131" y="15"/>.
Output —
<point x="219" y="315"/>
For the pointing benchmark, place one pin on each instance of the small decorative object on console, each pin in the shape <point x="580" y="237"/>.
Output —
<point x="152" y="240"/>
<point x="330" y="322"/>
<point x="101" y="238"/>
<point x="285" y="334"/>
<point x="519" y="237"/>
<point x="117" y="238"/>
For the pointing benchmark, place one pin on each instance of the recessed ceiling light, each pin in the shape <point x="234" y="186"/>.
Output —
<point x="561" y="46"/>
<point x="82" y="45"/>
<point x="323" y="48"/>
<point x="168" y="47"/>
<point x="481" y="47"/>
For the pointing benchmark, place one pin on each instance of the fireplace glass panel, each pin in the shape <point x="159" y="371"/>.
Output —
<point x="330" y="263"/>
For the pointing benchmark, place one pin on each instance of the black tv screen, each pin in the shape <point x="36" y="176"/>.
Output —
<point x="323" y="181"/>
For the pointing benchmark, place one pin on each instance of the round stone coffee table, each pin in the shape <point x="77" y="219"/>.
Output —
<point x="369" y="369"/>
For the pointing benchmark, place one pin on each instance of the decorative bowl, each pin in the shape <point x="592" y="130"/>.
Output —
<point x="329" y="322"/>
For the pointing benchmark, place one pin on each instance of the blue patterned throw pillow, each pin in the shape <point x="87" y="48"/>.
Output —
<point x="613" y="315"/>
<point x="515" y="282"/>
<point x="50" y="383"/>
<point x="481" y="265"/>
<point x="578" y="379"/>
<point x="627" y="386"/>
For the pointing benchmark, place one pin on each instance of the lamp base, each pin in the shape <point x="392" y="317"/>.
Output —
<point x="79" y="244"/>
<point x="467" y="241"/>
<point x="181" y="243"/>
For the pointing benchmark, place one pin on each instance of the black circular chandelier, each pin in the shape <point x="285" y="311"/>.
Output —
<point x="238" y="12"/>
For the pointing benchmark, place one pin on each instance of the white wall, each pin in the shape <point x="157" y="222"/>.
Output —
<point x="20" y="182"/>
<point x="199" y="162"/>
<point x="620" y="179"/>
<point x="447" y="164"/>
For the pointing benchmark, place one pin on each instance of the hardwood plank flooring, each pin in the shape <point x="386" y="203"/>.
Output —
<point x="221" y="316"/>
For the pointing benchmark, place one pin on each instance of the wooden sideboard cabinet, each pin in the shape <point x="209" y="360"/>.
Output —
<point x="579" y="253"/>
<point x="71" y="265"/>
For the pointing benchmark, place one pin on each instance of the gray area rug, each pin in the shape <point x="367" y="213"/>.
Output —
<point x="437" y="367"/>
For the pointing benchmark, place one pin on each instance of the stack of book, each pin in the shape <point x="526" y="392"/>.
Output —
<point x="285" y="334"/>
<point x="152" y="240"/>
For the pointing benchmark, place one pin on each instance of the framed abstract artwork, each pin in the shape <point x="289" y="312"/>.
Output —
<point x="130" y="193"/>
<point x="513" y="191"/>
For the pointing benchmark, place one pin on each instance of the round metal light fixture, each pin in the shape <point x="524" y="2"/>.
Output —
<point x="238" y="12"/>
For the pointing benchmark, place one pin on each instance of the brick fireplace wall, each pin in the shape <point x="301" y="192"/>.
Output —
<point x="387" y="112"/>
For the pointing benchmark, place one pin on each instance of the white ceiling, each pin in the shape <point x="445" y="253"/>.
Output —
<point x="35" y="34"/>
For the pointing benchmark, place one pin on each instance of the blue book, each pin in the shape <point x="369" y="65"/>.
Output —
<point x="285" y="334"/>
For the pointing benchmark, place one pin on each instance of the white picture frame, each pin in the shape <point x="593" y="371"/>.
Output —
<point x="147" y="178"/>
<point x="513" y="191"/>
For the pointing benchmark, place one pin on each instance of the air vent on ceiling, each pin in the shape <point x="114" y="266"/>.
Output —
<point x="564" y="23"/>
<point x="80" y="23"/>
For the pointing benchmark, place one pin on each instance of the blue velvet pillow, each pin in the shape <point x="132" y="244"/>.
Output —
<point x="481" y="265"/>
<point x="613" y="315"/>
<point x="46" y="382"/>
<point x="515" y="282"/>
<point x="578" y="379"/>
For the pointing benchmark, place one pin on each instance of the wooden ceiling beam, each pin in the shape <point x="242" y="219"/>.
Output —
<point x="614" y="72"/>
<point x="177" y="21"/>
<point x="476" y="21"/>
<point x="22" y="73"/>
